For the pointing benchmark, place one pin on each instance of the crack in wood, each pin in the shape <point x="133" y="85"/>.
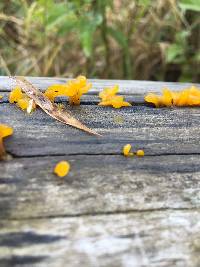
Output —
<point x="97" y="214"/>
<point x="15" y="156"/>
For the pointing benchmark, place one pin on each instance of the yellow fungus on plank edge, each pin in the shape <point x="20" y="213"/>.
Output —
<point x="187" y="97"/>
<point x="140" y="153"/>
<point x="109" y="98"/>
<point x="73" y="89"/>
<point x="126" y="150"/>
<point x="21" y="100"/>
<point x="5" y="131"/>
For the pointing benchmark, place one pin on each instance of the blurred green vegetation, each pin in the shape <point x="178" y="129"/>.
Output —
<point x="121" y="39"/>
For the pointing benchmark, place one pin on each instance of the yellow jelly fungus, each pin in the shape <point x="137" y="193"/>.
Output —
<point x="23" y="103"/>
<point x="55" y="90"/>
<point x="187" y="97"/>
<point x="62" y="168"/>
<point x="21" y="100"/>
<point x="15" y="95"/>
<point x="73" y="89"/>
<point x="126" y="150"/>
<point x="167" y="98"/>
<point x="153" y="98"/>
<point x="108" y="93"/>
<point x="109" y="98"/>
<point x="140" y="153"/>
<point x="5" y="131"/>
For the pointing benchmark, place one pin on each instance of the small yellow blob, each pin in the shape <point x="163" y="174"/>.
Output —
<point x="127" y="153"/>
<point x="62" y="168"/>
<point x="140" y="153"/>
<point x="1" y="96"/>
<point x="126" y="150"/>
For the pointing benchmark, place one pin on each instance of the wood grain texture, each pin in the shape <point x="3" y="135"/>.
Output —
<point x="155" y="239"/>
<point x="98" y="184"/>
<point x="110" y="210"/>
<point x="157" y="131"/>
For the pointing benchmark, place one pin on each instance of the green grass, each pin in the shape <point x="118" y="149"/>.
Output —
<point x="121" y="39"/>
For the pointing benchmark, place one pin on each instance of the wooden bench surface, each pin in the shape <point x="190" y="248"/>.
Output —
<point x="110" y="210"/>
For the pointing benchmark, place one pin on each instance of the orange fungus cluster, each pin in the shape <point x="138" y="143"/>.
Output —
<point x="109" y="98"/>
<point x="73" y="89"/>
<point x="21" y="99"/>
<point x="187" y="97"/>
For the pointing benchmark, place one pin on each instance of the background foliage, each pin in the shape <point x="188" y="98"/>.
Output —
<point x="140" y="39"/>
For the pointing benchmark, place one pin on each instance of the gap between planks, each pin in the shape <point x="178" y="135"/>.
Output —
<point x="91" y="99"/>
<point x="14" y="156"/>
<point x="99" y="214"/>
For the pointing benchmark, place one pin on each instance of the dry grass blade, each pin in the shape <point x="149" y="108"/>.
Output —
<point x="51" y="109"/>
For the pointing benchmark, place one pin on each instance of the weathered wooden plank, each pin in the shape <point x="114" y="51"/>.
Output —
<point x="98" y="184"/>
<point x="109" y="210"/>
<point x="145" y="239"/>
<point x="157" y="131"/>
<point x="126" y="86"/>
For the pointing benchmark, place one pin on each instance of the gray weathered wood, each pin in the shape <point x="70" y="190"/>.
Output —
<point x="98" y="184"/>
<point x="144" y="239"/>
<point x="157" y="131"/>
<point x="110" y="210"/>
<point x="126" y="87"/>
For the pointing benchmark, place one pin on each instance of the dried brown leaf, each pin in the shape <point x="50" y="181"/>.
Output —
<point x="50" y="108"/>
